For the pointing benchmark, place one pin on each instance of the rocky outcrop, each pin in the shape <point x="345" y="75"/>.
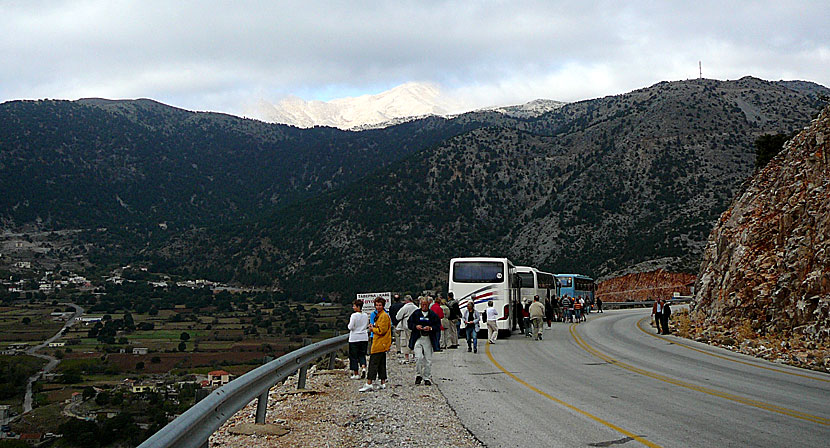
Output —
<point x="642" y="286"/>
<point x="766" y="268"/>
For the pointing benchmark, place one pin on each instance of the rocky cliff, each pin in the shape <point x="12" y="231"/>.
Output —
<point x="641" y="286"/>
<point x="764" y="281"/>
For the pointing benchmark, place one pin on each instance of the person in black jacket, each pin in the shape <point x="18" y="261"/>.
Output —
<point x="396" y="305"/>
<point x="423" y="323"/>
<point x="664" y="318"/>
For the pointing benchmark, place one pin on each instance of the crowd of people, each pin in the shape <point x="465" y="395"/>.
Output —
<point x="421" y="327"/>
<point x="429" y="325"/>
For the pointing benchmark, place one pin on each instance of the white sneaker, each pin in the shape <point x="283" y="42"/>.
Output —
<point x="382" y="386"/>
<point x="366" y="388"/>
<point x="355" y="377"/>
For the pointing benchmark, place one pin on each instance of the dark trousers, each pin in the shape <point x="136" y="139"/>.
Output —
<point x="664" y="322"/>
<point x="377" y="366"/>
<point x="357" y="354"/>
<point x="658" y="317"/>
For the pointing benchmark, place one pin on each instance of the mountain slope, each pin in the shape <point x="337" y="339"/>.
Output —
<point x="100" y="163"/>
<point x="591" y="187"/>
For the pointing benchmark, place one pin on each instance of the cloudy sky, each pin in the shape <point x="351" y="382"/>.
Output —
<point x="225" y="56"/>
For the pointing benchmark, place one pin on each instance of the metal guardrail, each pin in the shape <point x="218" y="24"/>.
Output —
<point x="194" y="427"/>
<point x="644" y="304"/>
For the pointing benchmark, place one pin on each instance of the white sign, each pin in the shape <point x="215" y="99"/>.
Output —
<point x="369" y="300"/>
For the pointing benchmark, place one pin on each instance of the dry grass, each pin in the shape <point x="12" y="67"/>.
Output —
<point x="682" y="323"/>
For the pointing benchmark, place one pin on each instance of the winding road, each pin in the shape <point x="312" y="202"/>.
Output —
<point x="613" y="381"/>
<point x="53" y="362"/>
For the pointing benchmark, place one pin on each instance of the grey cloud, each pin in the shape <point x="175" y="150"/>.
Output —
<point x="202" y="55"/>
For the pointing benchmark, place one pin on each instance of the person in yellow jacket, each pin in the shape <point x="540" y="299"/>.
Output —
<point x="382" y="341"/>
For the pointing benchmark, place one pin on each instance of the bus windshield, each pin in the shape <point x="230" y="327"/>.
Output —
<point x="478" y="272"/>
<point x="527" y="279"/>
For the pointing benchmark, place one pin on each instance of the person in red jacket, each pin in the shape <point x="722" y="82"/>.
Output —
<point x="436" y="308"/>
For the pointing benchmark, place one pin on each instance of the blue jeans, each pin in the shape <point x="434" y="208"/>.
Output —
<point x="472" y="336"/>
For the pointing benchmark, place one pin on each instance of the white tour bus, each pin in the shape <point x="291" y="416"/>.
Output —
<point x="482" y="279"/>
<point x="536" y="282"/>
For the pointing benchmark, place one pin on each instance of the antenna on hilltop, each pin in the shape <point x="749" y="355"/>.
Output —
<point x="700" y="69"/>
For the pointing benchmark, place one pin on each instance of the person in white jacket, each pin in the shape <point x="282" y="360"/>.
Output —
<point x="402" y="317"/>
<point x="358" y="340"/>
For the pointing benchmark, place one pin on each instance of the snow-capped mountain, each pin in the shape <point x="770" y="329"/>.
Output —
<point x="406" y="100"/>
<point x="528" y="110"/>
<point x="403" y="103"/>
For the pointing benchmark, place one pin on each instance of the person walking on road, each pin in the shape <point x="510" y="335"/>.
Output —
<point x="599" y="305"/>
<point x="403" y="318"/>
<point x="423" y="323"/>
<point x="537" y="316"/>
<point x="657" y="312"/>
<point x="382" y="341"/>
<point x="358" y="340"/>
<point x="492" y="314"/>
<point x="664" y="318"/>
<point x="471" y="319"/>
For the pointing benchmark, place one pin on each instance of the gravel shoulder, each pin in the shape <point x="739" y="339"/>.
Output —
<point x="332" y="413"/>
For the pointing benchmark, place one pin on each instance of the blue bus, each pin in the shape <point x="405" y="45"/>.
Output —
<point x="576" y="285"/>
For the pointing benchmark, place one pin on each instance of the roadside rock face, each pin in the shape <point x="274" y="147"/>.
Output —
<point x="766" y="268"/>
<point x="644" y="286"/>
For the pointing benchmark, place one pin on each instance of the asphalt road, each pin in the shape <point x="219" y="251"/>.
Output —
<point x="612" y="381"/>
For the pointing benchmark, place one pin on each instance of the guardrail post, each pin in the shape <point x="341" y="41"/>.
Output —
<point x="261" y="407"/>
<point x="304" y="369"/>
<point x="333" y="357"/>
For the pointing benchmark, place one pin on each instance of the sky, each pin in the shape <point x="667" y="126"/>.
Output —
<point x="226" y="55"/>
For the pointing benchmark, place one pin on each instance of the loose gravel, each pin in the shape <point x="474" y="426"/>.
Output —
<point x="334" y="414"/>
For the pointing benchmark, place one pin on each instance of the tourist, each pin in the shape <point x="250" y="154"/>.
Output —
<point x="423" y="323"/>
<point x="445" y="324"/>
<point x="471" y="318"/>
<point x="526" y="318"/>
<point x="455" y="319"/>
<point x="382" y="329"/>
<point x="567" y="303"/>
<point x="396" y="306"/>
<point x="599" y="305"/>
<point x="436" y="335"/>
<point x="537" y="316"/>
<point x="664" y="317"/>
<point x="491" y="315"/>
<point x="403" y="317"/>
<point x="358" y="340"/>
<point x="657" y="314"/>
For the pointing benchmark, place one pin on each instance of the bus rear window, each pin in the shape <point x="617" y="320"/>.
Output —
<point x="565" y="282"/>
<point x="478" y="272"/>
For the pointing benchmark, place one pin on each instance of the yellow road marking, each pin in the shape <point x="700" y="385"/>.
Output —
<point x="705" y="390"/>
<point x="569" y="406"/>
<point x="726" y="357"/>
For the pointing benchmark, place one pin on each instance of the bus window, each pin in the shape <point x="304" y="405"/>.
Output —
<point x="565" y="282"/>
<point x="478" y="272"/>
<point x="526" y="279"/>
